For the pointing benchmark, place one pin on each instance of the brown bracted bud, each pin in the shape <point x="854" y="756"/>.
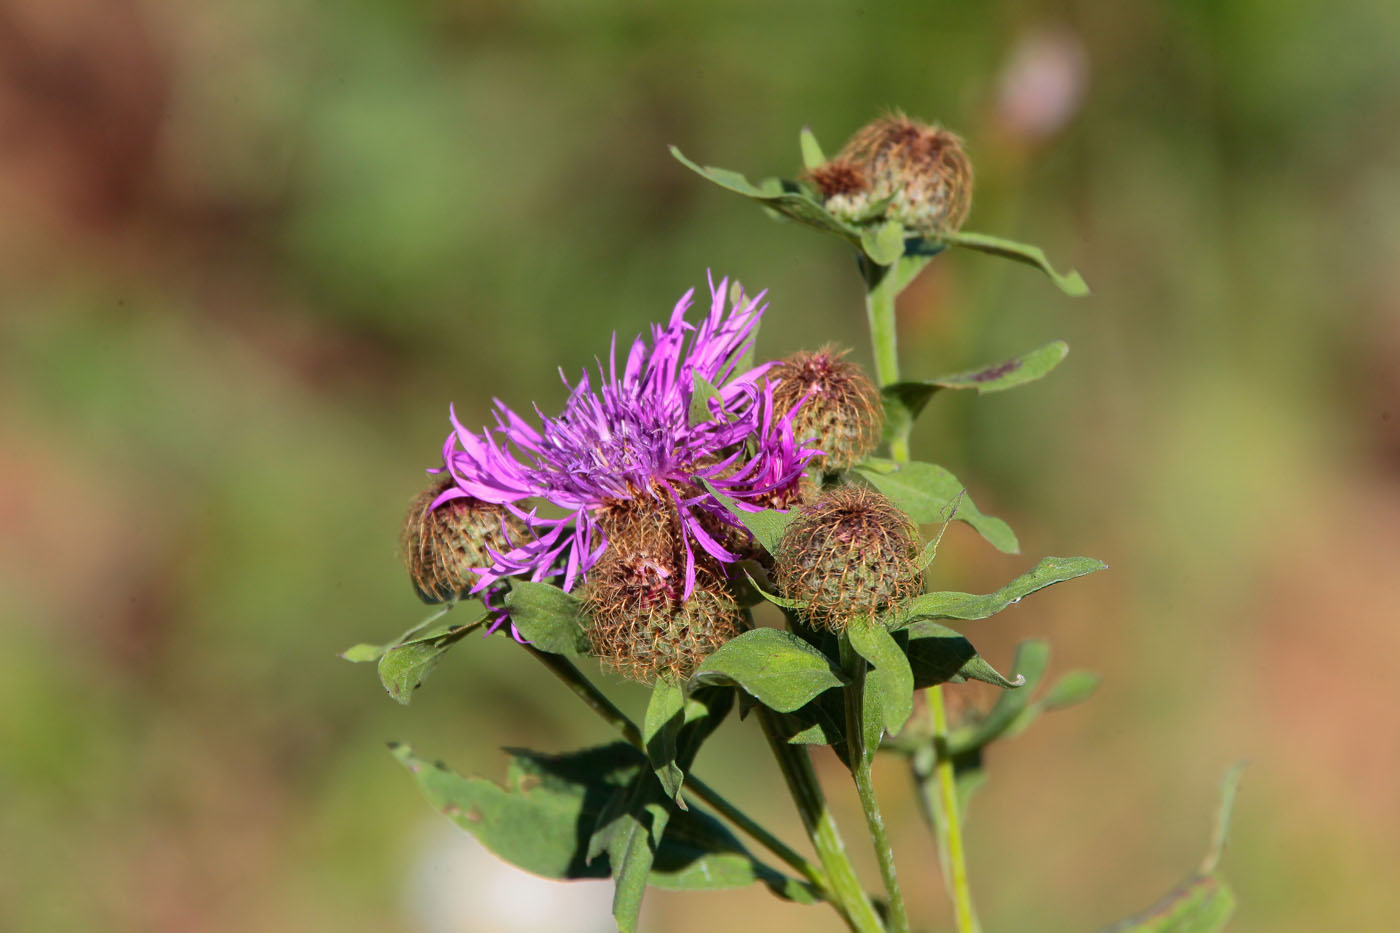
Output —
<point x="639" y="623"/>
<point x="441" y="546"/>
<point x="840" y="411"/>
<point x="845" y="188"/>
<point x="922" y="169"/>
<point x="850" y="553"/>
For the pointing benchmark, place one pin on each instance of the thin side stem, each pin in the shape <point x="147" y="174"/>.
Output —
<point x="584" y="688"/>
<point x="865" y="785"/>
<point x="796" y="765"/>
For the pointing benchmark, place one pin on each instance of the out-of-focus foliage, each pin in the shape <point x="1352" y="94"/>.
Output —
<point x="252" y="250"/>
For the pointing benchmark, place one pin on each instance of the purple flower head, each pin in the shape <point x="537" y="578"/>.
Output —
<point x="633" y="436"/>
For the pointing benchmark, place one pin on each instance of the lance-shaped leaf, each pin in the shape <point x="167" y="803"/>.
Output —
<point x="1071" y="282"/>
<point x="889" y="681"/>
<point x="970" y="606"/>
<point x="937" y="655"/>
<point x="903" y="401"/>
<point x="430" y="627"/>
<point x="664" y="718"/>
<point x="403" y="667"/>
<point x="547" y="617"/>
<point x="1032" y="657"/>
<point x="1202" y="903"/>
<point x="788" y="199"/>
<point x="777" y="668"/>
<point x="767" y="526"/>
<point x="930" y="493"/>
<point x="811" y="149"/>
<point x="632" y="851"/>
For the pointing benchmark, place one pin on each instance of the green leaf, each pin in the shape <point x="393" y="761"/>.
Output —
<point x="797" y="202"/>
<point x="929" y="493"/>
<point x="883" y="244"/>
<point x="777" y="668"/>
<point x="789" y="201"/>
<point x="363" y="652"/>
<point x="1071" y="283"/>
<point x="539" y="818"/>
<point x="699" y="854"/>
<point x="903" y="401"/>
<point x="534" y="820"/>
<point x="1074" y="687"/>
<point x="403" y="668"/>
<point x="664" y="718"/>
<point x="1032" y="657"/>
<point x="550" y="619"/>
<point x="1203" y="902"/>
<point x="890" y="674"/>
<point x="632" y="853"/>
<point x="969" y="606"/>
<point x="700" y="396"/>
<point x="811" y="150"/>
<point x="937" y="655"/>
<point x="767" y="526"/>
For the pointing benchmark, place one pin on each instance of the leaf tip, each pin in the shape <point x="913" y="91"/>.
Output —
<point x="1073" y="284"/>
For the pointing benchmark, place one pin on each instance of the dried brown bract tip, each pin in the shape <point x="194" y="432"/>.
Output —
<point x="845" y="188"/>
<point x="837" y="405"/>
<point x="640" y="623"/>
<point x="923" y="169"/>
<point x="850" y="553"/>
<point x="442" y="546"/>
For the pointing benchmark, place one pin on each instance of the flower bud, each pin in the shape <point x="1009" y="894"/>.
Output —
<point x="838" y="408"/>
<point x="850" y="553"/>
<point x="845" y="188"/>
<point x="442" y="546"/>
<point x="922" y="169"/>
<point x="640" y="623"/>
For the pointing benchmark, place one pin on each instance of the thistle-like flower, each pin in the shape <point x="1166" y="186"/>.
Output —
<point x="849" y="553"/>
<point x="634" y="438"/>
<point x="641" y="624"/>
<point x="833" y="404"/>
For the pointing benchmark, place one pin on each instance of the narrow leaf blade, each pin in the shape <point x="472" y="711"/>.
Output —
<point x="1071" y="282"/>
<point x="970" y="606"/>
<point x="811" y="149"/>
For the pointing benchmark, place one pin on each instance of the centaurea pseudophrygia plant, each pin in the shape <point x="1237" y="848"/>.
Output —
<point x="680" y="488"/>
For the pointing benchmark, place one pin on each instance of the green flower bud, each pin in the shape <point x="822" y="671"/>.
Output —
<point x="441" y="546"/>
<point x="850" y="553"/>
<point x="840" y="407"/>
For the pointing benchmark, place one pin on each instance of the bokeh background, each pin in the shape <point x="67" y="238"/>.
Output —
<point x="251" y="250"/>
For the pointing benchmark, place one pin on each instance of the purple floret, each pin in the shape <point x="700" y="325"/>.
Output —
<point x="633" y="437"/>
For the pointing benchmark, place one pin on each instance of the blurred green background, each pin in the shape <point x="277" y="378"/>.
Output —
<point x="251" y="250"/>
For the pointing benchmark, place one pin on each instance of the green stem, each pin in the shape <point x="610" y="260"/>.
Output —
<point x="952" y="819"/>
<point x="796" y="765"/>
<point x="584" y="688"/>
<point x="883" y="284"/>
<point x="859" y="760"/>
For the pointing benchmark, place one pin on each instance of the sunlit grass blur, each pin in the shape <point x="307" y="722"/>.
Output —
<point x="251" y="251"/>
